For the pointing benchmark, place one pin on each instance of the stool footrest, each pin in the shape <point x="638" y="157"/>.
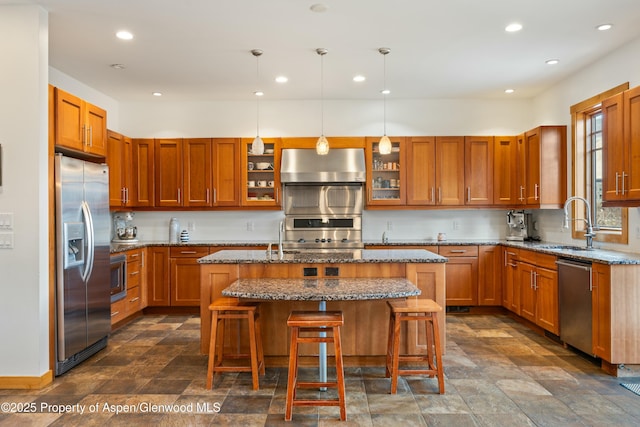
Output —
<point x="315" y="384"/>
<point x="315" y="339"/>
<point x="302" y="402"/>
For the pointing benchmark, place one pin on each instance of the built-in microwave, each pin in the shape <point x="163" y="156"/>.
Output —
<point x="118" y="277"/>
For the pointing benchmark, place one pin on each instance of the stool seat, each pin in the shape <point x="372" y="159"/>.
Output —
<point x="223" y="309"/>
<point x="318" y="324"/>
<point x="407" y="311"/>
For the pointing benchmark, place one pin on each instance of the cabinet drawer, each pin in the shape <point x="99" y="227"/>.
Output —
<point x="134" y="255"/>
<point x="547" y="261"/>
<point x="453" y="251"/>
<point x="118" y="310"/>
<point x="134" y="271"/>
<point x="132" y="300"/>
<point x="530" y="257"/>
<point x="189" y="251"/>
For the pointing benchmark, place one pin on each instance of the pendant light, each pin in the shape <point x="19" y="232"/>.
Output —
<point x="384" y="146"/>
<point x="322" y="146"/>
<point x="257" y="146"/>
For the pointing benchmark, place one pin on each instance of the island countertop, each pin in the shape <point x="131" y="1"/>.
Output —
<point x="323" y="289"/>
<point x="395" y="255"/>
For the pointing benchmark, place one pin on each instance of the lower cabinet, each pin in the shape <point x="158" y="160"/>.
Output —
<point x="510" y="286"/>
<point x="537" y="278"/>
<point x="462" y="274"/>
<point x="135" y="300"/>
<point x="174" y="276"/>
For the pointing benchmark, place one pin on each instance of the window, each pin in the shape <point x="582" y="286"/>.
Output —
<point x="610" y="223"/>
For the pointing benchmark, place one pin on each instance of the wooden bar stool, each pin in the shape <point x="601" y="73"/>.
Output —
<point x="414" y="310"/>
<point x="317" y="324"/>
<point x="231" y="308"/>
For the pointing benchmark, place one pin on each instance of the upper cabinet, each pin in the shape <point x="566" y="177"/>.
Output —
<point x="79" y="125"/>
<point x="478" y="170"/>
<point x="196" y="172"/>
<point x="142" y="191"/>
<point x="542" y="163"/>
<point x="621" y="149"/>
<point x="119" y="159"/>
<point x="386" y="172"/>
<point x="505" y="171"/>
<point x="261" y="174"/>
<point x="435" y="170"/>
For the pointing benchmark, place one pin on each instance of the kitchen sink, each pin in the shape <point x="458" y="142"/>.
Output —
<point x="565" y="247"/>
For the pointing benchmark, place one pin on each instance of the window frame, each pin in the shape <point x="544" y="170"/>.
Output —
<point x="580" y="180"/>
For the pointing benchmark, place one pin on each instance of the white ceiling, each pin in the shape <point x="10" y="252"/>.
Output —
<point x="199" y="50"/>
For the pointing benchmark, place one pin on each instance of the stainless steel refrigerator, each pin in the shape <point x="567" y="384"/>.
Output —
<point x="83" y="301"/>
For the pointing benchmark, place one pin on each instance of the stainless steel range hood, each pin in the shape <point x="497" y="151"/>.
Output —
<point x="303" y="165"/>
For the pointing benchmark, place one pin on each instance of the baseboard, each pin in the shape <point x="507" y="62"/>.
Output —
<point x="26" y="383"/>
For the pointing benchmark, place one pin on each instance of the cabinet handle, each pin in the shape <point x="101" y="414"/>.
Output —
<point x="123" y="196"/>
<point x="127" y="189"/>
<point x="617" y="177"/>
<point x="535" y="191"/>
<point x="134" y="255"/>
<point x="134" y="299"/>
<point x="531" y="279"/>
<point x="468" y="194"/>
<point x="207" y="196"/>
<point x="433" y="194"/>
<point x="90" y="136"/>
<point x="439" y="194"/>
<point x="114" y="313"/>
<point x="188" y="252"/>
<point x="535" y="281"/>
<point x="179" y="195"/>
<point x="623" y="184"/>
<point x="215" y="195"/>
<point x="133" y="273"/>
<point x="458" y="251"/>
<point x="521" y="193"/>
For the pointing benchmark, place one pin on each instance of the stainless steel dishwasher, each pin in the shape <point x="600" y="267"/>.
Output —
<point x="574" y="295"/>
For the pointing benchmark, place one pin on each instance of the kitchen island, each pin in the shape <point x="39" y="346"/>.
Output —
<point x="366" y="321"/>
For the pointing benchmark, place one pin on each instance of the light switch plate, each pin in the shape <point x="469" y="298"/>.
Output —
<point x="6" y="221"/>
<point x="6" y="240"/>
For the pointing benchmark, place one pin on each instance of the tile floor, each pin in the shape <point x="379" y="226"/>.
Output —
<point x="498" y="373"/>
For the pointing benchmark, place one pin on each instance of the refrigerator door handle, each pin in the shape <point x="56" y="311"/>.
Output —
<point x="88" y="221"/>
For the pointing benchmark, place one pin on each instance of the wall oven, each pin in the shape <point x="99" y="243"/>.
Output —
<point x="118" y="277"/>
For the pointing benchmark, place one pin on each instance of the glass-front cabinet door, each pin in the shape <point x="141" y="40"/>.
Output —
<point x="261" y="174"/>
<point x="386" y="174"/>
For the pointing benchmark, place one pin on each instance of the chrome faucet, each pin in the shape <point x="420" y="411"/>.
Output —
<point x="280" y="235"/>
<point x="385" y="238"/>
<point x="589" y="233"/>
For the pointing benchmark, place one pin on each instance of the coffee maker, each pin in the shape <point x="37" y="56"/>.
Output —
<point x="517" y="222"/>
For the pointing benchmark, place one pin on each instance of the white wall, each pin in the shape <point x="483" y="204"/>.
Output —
<point x="24" y="275"/>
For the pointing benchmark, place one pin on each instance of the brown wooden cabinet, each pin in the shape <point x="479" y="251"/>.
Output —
<point x="505" y="175"/>
<point x="120" y="161"/>
<point x="184" y="273"/>
<point x="261" y="186"/>
<point x="478" y="170"/>
<point x="158" y="278"/>
<point x="169" y="190"/>
<point x="386" y="172"/>
<point x="542" y="161"/>
<point x="135" y="299"/>
<point x="538" y="279"/>
<point x="79" y="125"/>
<point x="621" y="148"/>
<point x="462" y="275"/>
<point x="143" y="173"/>
<point x="510" y="283"/>
<point x="489" y="275"/>
<point x="198" y="177"/>
<point x="226" y="172"/>
<point x="435" y="171"/>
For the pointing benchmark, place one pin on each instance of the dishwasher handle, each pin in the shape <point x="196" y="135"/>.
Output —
<point x="573" y="264"/>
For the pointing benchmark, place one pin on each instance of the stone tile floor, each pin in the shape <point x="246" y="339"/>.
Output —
<point x="498" y="373"/>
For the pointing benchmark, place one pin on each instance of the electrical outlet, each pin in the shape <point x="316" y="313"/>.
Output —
<point x="456" y="225"/>
<point x="191" y="226"/>
<point x="6" y="221"/>
<point x="250" y="225"/>
<point x="6" y="240"/>
<point x="389" y="225"/>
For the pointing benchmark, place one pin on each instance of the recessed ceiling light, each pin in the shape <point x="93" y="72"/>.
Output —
<point x="157" y="93"/>
<point x="318" y="8"/>
<point x="385" y="91"/>
<point x="359" y="78"/>
<point x="117" y="66"/>
<point x="282" y="79"/>
<point x="258" y="93"/>
<point x="509" y="90"/>
<point x="604" y="27"/>
<point x="551" y="61"/>
<point x="124" y="35"/>
<point x="512" y="28"/>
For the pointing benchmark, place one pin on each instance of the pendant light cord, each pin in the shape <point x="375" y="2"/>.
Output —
<point x="257" y="97"/>
<point x="322" y="94"/>
<point x="384" y="93"/>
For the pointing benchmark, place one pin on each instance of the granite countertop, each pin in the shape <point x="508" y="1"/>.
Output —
<point x="572" y="251"/>
<point x="342" y="289"/>
<point x="356" y="256"/>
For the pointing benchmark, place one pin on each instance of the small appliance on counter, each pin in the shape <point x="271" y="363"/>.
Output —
<point x="517" y="222"/>
<point x="123" y="229"/>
